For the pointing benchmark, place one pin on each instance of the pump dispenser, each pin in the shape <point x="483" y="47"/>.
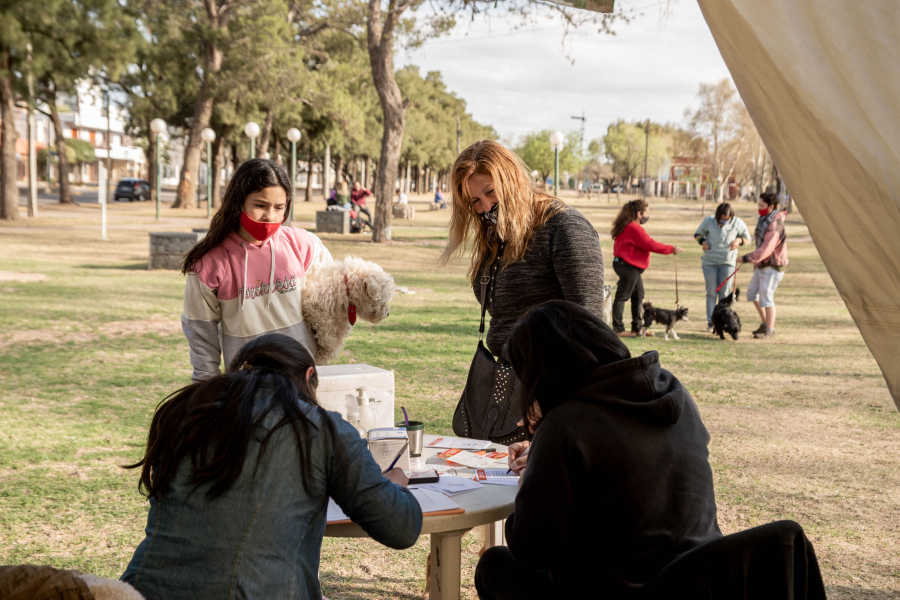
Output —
<point x="366" y="409"/>
<point x="353" y="419"/>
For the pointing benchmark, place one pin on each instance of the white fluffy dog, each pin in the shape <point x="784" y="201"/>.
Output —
<point x="338" y="292"/>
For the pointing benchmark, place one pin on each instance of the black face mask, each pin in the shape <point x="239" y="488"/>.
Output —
<point x="645" y="219"/>
<point x="490" y="216"/>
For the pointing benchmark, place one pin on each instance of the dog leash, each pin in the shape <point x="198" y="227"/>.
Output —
<point x="676" y="279"/>
<point x="726" y="279"/>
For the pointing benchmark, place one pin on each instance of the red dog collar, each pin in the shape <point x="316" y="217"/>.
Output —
<point x="351" y="308"/>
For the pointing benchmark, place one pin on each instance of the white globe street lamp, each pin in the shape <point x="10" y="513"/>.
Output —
<point x="535" y="174"/>
<point x="557" y="140"/>
<point x="208" y="136"/>
<point x="157" y="126"/>
<point x="293" y="136"/>
<point x="251" y="130"/>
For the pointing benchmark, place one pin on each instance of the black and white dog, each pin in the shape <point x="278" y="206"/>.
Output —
<point x="663" y="317"/>
<point x="724" y="319"/>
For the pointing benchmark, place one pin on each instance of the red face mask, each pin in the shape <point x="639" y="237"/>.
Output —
<point x="762" y="212"/>
<point x="260" y="231"/>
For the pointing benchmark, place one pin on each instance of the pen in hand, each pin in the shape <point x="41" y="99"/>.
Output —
<point x="524" y="453"/>
<point x="396" y="458"/>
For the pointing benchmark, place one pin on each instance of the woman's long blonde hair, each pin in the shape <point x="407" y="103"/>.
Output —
<point x="522" y="209"/>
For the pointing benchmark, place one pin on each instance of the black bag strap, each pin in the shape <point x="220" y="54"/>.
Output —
<point x="485" y="281"/>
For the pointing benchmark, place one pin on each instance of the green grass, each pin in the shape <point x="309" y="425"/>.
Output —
<point x="802" y="426"/>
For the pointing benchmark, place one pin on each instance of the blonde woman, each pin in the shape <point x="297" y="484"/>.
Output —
<point x="536" y="246"/>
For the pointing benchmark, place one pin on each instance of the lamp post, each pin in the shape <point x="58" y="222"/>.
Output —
<point x="293" y="136"/>
<point x="157" y="126"/>
<point x="557" y="139"/>
<point x="208" y="136"/>
<point x="251" y="130"/>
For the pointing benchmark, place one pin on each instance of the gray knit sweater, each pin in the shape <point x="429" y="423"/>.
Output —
<point x="563" y="262"/>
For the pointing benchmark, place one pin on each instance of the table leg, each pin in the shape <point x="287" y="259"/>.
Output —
<point x="495" y="534"/>
<point x="446" y="548"/>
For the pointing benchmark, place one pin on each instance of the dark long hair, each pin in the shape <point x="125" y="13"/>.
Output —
<point x="212" y="422"/>
<point x="252" y="176"/>
<point x="770" y="199"/>
<point x="629" y="213"/>
<point x="555" y="347"/>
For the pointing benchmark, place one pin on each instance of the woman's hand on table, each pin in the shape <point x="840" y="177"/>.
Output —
<point x="518" y="456"/>
<point x="397" y="476"/>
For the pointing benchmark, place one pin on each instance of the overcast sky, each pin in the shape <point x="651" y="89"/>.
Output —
<point x="523" y="81"/>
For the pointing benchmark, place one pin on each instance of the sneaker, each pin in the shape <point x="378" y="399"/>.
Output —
<point x="760" y="329"/>
<point x="765" y="335"/>
<point x="626" y="334"/>
<point x="709" y="328"/>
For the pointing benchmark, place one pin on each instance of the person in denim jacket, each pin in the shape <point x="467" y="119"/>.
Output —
<point x="238" y="470"/>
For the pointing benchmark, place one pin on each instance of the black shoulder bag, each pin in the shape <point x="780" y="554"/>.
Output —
<point x="489" y="406"/>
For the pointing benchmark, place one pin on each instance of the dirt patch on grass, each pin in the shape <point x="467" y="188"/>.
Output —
<point x="45" y="336"/>
<point x="21" y="277"/>
<point x="143" y="327"/>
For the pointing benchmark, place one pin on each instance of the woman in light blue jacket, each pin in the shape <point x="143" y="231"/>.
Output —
<point x="720" y="235"/>
<point x="238" y="470"/>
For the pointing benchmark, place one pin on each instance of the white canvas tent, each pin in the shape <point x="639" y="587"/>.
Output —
<point x="821" y="81"/>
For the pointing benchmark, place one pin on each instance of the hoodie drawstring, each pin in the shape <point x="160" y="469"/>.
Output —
<point x="271" y="275"/>
<point x="244" y="289"/>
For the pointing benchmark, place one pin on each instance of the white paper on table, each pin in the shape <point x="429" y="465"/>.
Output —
<point x="450" y="485"/>
<point x="455" y="442"/>
<point x="450" y="470"/>
<point x="495" y="477"/>
<point x="335" y="513"/>
<point x="429" y="501"/>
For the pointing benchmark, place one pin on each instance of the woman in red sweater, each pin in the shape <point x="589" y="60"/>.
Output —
<point x="632" y="257"/>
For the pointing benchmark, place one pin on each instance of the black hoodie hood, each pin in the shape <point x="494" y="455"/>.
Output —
<point x="637" y="387"/>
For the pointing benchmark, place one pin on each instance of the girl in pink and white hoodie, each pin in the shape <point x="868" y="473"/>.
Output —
<point x="246" y="275"/>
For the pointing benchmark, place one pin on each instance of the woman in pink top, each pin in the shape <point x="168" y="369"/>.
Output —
<point x="246" y="275"/>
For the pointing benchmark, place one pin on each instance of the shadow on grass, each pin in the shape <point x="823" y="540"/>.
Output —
<point x="132" y="267"/>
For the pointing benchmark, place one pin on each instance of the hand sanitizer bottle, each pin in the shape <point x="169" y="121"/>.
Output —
<point x="366" y="409"/>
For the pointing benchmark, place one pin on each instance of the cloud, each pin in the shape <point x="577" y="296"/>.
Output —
<point x="524" y="81"/>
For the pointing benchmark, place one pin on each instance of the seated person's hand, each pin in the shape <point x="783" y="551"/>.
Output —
<point x="518" y="456"/>
<point x="397" y="476"/>
<point x="706" y="246"/>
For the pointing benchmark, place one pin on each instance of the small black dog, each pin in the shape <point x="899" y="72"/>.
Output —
<point x="725" y="320"/>
<point x="663" y="317"/>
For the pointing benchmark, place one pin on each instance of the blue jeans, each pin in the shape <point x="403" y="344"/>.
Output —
<point x="714" y="276"/>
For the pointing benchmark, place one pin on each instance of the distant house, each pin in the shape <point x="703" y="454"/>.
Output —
<point x="84" y="117"/>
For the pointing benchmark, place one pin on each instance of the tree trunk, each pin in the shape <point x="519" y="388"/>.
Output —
<point x="338" y="170"/>
<point x="218" y="162"/>
<point x="203" y="107"/>
<point x="235" y="157"/>
<point x="65" y="192"/>
<point x="367" y="175"/>
<point x="309" y="176"/>
<point x="266" y="132"/>
<point x="187" y="186"/>
<point x="277" y="139"/>
<point x="381" y="58"/>
<point x="9" y="192"/>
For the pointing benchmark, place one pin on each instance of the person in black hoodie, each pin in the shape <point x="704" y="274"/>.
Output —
<point x="617" y="481"/>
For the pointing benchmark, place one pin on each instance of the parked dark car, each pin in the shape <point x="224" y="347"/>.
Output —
<point x="132" y="188"/>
